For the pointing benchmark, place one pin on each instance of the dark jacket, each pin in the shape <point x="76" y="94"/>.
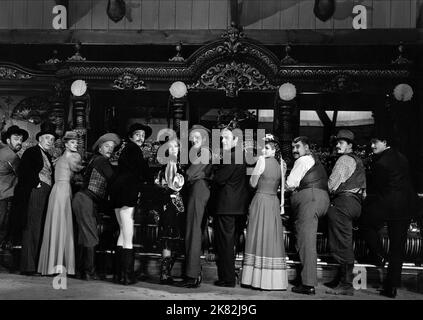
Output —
<point x="9" y="163"/>
<point x="30" y="166"/>
<point x="392" y="193"/>
<point x="232" y="193"/>
<point x="132" y="173"/>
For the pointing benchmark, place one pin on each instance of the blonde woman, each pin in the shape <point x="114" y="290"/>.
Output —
<point x="57" y="253"/>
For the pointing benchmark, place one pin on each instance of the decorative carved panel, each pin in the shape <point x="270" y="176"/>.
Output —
<point x="32" y="109"/>
<point x="341" y="84"/>
<point x="129" y="81"/>
<point x="7" y="73"/>
<point x="233" y="77"/>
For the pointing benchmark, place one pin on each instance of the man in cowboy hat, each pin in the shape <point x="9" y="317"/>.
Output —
<point x="97" y="178"/>
<point x="347" y="184"/>
<point x="9" y="162"/>
<point x="35" y="178"/>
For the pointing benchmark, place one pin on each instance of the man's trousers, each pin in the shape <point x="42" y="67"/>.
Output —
<point x="308" y="206"/>
<point x="342" y="212"/>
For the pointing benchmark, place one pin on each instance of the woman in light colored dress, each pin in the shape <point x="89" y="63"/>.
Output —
<point x="264" y="265"/>
<point x="57" y="249"/>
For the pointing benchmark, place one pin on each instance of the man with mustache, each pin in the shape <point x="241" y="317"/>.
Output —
<point x="35" y="178"/>
<point x="347" y="185"/>
<point x="9" y="163"/>
<point x="309" y="201"/>
<point x="97" y="180"/>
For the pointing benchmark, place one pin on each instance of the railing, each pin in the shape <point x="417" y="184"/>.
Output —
<point x="146" y="240"/>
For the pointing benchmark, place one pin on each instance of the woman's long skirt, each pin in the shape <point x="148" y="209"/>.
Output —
<point x="264" y="264"/>
<point x="57" y="253"/>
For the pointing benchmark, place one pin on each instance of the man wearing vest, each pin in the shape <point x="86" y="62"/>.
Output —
<point x="88" y="202"/>
<point x="310" y="200"/>
<point x="347" y="185"/>
<point x="35" y="179"/>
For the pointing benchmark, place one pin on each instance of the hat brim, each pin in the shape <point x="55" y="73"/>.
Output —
<point x="345" y="139"/>
<point x="148" y="131"/>
<point x="198" y="129"/>
<point x="20" y="132"/>
<point x="41" y="133"/>
<point x="110" y="137"/>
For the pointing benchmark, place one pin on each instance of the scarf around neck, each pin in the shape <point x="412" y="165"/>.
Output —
<point x="174" y="180"/>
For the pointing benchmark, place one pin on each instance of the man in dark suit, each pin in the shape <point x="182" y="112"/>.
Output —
<point x="35" y="179"/>
<point x="393" y="201"/>
<point x="231" y="203"/>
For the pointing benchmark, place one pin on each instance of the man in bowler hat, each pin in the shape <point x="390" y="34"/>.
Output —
<point x="9" y="163"/>
<point x="35" y="179"/>
<point x="347" y="185"/>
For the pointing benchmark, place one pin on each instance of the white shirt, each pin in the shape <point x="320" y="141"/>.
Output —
<point x="301" y="166"/>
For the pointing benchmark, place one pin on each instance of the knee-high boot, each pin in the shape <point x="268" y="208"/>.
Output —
<point x="335" y="281"/>
<point x="345" y="283"/>
<point x="165" y="270"/>
<point x="128" y="266"/>
<point x="117" y="268"/>
<point x="89" y="263"/>
<point x="79" y="261"/>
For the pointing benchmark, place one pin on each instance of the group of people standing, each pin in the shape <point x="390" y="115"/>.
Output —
<point x="36" y="198"/>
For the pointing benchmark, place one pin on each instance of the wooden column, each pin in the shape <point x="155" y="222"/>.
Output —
<point x="178" y="112"/>
<point x="418" y="92"/>
<point x="288" y="125"/>
<point x="57" y="109"/>
<point x="79" y="124"/>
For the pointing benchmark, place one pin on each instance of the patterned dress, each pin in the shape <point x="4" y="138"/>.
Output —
<point x="57" y="249"/>
<point x="264" y="264"/>
<point x="172" y="215"/>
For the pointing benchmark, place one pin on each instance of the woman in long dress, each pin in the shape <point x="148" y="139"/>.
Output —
<point x="264" y="265"/>
<point x="57" y="249"/>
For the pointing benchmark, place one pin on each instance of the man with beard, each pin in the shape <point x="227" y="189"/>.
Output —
<point x="9" y="163"/>
<point x="35" y="178"/>
<point x="94" y="193"/>
<point x="392" y="201"/>
<point x="309" y="201"/>
<point x="347" y="184"/>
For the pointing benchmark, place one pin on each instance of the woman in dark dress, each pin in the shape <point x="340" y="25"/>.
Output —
<point x="170" y="179"/>
<point x="133" y="172"/>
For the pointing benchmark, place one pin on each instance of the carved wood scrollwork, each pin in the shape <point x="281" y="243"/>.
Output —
<point x="129" y="81"/>
<point x="232" y="43"/>
<point x="12" y="74"/>
<point x="232" y="77"/>
<point x="342" y="84"/>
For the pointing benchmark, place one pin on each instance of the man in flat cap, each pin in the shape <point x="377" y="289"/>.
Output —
<point x="9" y="162"/>
<point x="97" y="180"/>
<point x="35" y="179"/>
<point x="347" y="185"/>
